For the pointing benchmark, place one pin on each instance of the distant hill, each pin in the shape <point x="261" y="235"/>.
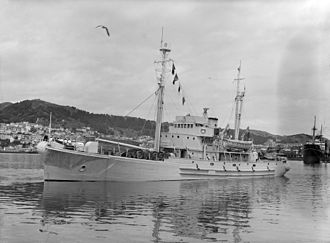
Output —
<point x="37" y="111"/>
<point x="4" y="105"/>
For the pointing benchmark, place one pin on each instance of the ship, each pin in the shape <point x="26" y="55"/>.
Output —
<point x="313" y="151"/>
<point x="193" y="148"/>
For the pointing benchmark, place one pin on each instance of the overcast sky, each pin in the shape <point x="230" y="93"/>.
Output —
<point x="51" y="50"/>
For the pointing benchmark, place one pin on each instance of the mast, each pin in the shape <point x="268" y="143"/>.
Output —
<point x="50" y="125"/>
<point x="314" y="129"/>
<point x="239" y="103"/>
<point x="160" y="92"/>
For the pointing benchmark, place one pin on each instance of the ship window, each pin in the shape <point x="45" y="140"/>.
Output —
<point x="172" y="136"/>
<point x="165" y="136"/>
<point x="160" y="135"/>
<point x="185" y="125"/>
<point x="211" y="163"/>
<point x="178" y="136"/>
<point x="193" y="138"/>
<point x="187" y="137"/>
<point x="234" y="164"/>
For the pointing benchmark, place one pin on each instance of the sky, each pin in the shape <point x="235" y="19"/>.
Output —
<point x="52" y="50"/>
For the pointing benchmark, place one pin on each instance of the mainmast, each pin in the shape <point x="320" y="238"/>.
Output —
<point x="160" y="92"/>
<point x="239" y="103"/>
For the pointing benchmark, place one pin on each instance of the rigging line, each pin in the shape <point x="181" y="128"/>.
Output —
<point x="231" y="113"/>
<point x="188" y="103"/>
<point x="153" y="93"/>
<point x="175" y="100"/>
<point x="150" y="109"/>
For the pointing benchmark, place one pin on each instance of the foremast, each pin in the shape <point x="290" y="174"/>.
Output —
<point x="164" y="49"/>
<point x="239" y="103"/>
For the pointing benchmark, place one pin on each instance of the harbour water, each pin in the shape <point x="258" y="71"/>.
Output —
<point x="295" y="208"/>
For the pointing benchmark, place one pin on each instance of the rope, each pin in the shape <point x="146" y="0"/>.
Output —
<point x="150" y="109"/>
<point x="141" y="103"/>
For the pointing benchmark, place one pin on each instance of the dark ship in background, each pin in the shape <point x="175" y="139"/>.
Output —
<point x="316" y="150"/>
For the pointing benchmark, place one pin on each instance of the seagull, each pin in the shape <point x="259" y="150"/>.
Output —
<point x="104" y="27"/>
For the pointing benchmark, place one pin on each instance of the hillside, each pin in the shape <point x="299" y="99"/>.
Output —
<point x="70" y="117"/>
<point x="4" y="105"/>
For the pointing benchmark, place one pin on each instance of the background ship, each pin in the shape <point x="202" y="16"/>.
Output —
<point x="313" y="152"/>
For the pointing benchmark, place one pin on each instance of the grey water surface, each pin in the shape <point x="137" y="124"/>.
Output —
<point x="295" y="208"/>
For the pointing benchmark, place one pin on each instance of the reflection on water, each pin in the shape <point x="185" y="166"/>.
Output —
<point x="185" y="209"/>
<point x="289" y="209"/>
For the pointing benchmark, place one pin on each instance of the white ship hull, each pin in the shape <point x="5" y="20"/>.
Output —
<point x="67" y="165"/>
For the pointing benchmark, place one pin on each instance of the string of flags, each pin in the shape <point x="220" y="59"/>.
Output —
<point x="176" y="79"/>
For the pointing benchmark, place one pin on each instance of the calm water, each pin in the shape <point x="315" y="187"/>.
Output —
<point x="291" y="209"/>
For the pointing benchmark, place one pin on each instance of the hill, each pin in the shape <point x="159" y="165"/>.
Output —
<point x="4" y="105"/>
<point x="37" y="111"/>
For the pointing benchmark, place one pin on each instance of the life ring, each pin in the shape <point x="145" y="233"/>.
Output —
<point x="203" y="131"/>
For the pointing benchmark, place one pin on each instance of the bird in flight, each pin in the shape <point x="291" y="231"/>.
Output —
<point x="104" y="27"/>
